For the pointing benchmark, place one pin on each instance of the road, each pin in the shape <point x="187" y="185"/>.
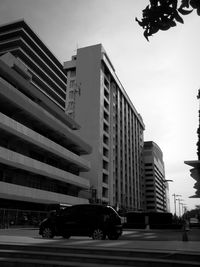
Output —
<point x="135" y="243"/>
<point x="129" y="234"/>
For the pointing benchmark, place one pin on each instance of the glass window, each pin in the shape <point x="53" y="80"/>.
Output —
<point x="72" y="73"/>
<point x="72" y="83"/>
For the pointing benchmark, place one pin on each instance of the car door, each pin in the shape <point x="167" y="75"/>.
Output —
<point x="70" y="220"/>
<point x="84" y="217"/>
<point x="87" y="219"/>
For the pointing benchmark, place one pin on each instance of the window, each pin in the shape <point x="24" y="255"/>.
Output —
<point x="105" y="165"/>
<point x="106" y="94"/>
<point x="105" y="139"/>
<point x="105" y="192"/>
<point x="71" y="95"/>
<point x="105" y="152"/>
<point x="106" y="105"/>
<point x="106" y="116"/>
<point x="70" y="105"/>
<point x="71" y="84"/>
<point x="105" y="178"/>
<point x="72" y="73"/>
<point x="106" y="128"/>
<point x="106" y="82"/>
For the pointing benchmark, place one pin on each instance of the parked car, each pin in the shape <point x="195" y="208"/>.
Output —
<point x="93" y="220"/>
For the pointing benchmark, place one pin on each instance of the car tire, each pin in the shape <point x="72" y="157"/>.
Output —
<point x="113" y="236"/>
<point x="98" y="234"/>
<point x="47" y="232"/>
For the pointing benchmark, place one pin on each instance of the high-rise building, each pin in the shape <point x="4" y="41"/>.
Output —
<point x="156" y="187"/>
<point x="40" y="154"/>
<point x="109" y="121"/>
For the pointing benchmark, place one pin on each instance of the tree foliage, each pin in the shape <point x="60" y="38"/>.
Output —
<point x="164" y="14"/>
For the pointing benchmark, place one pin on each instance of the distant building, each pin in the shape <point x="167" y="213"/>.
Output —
<point x="156" y="187"/>
<point x="40" y="154"/>
<point x="110" y="123"/>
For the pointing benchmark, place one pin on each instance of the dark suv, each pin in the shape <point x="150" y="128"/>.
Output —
<point x="96" y="221"/>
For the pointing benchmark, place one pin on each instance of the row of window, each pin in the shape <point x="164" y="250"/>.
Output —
<point x="125" y="151"/>
<point x="25" y="178"/>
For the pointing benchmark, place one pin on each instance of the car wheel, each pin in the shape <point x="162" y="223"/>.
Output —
<point x="47" y="233"/>
<point x="99" y="234"/>
<point x="113" y="236"/>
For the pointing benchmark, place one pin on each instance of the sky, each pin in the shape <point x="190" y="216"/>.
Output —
<point x="161" y="77"/>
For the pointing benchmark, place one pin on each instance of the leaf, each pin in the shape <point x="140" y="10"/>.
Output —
<point x="194" y="3"/>
<point x="146" y="35"/>
<point x="141" y="23"/>
<point x="164" y="26"/>
<point x="172" y="23"/>
<point x="153" y="29"/>
<point x="178" y="18"/>
<point x="185" y="3"/>
<point x="174" y="4"/>
<point x="184" y="11"/>
<point x="154" y="2"/>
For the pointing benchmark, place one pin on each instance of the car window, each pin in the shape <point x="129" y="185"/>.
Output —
<point x="109" y="211"/>
<point x="70" y="211"/>
<point x="89" y="211"/>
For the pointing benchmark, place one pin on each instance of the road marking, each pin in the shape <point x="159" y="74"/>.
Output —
<point x="139" y="234"/>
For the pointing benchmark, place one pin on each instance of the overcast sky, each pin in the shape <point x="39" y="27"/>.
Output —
<point x="161" y="77"/>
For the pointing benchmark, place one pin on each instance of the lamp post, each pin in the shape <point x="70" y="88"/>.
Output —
<point x="175" y="195"/>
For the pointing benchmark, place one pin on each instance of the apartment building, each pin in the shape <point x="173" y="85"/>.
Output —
<point x="156" y="187"/>
<point x="40" y="153"/>
<point x="109" y="121"/>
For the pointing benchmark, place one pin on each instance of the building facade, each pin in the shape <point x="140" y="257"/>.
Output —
<point x="110" y="123"/>
<point x="156" y="187"/>
<point x="40" y="154"/>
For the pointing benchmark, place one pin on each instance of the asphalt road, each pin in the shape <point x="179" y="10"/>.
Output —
<point x="129" y="234"/>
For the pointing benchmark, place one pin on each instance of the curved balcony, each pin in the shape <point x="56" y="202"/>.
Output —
<point x="22" y="193"/>
<point x="20" y="161"/>
<point x="11" y="97"/>
<point x="31" y="137"/>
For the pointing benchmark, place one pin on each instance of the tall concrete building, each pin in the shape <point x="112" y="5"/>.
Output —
<point x="110" y="123"/>
<point x="40" y="154"/>
<point x="156" y="187"/>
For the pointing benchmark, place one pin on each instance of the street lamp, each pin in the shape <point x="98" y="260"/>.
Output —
<point x="175" y="195"/>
